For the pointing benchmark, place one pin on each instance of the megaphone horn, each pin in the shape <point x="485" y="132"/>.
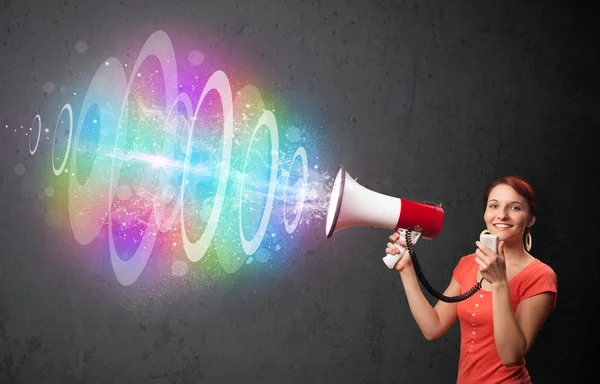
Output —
<point x="351" y="205"/>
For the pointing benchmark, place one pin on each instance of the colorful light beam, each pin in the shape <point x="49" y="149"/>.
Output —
<point x="146" y="164"/>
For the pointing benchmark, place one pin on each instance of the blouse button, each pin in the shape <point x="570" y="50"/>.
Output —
<point x="473" y="315"/>
<point x="477" y="305"/>
<point x="481" y="296"/>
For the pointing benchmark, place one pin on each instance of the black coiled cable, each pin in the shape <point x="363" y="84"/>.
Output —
<point x="430" y="289"/>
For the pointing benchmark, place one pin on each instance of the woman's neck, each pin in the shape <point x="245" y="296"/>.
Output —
<point x="515" y="253"/>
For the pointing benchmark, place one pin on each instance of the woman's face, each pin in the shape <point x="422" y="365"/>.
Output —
<point x="507" y="214"/>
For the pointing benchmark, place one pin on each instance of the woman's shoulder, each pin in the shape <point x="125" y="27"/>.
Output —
<point x="464" y="267"/>
<point x="540" y="277"/>
<point x="466" y="261"/>
<point x="467" y="258"/>
<point x="538" y="267"/>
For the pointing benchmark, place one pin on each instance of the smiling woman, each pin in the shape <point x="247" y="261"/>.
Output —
<point x="500" y="323"/>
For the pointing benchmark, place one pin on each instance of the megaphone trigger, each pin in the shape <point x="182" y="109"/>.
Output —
<point x="391" y="260"/>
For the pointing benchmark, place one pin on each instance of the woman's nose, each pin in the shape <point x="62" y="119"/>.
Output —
<point x="502" y="214"/>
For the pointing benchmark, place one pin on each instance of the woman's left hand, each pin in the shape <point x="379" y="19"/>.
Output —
<point x="491" y="265"/>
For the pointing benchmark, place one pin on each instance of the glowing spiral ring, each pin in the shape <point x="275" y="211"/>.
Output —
<point x="267" y="119"/>
<point x="158" y="45"/>
<point x="39" y="119"/>
<point x="57" y="172"/>
<point x="220" y="83"/>
<point x="300" y="152"/>
<point x="88" y="209"/>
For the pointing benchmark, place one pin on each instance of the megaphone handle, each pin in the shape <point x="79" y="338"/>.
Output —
<point x="391" y="260"/>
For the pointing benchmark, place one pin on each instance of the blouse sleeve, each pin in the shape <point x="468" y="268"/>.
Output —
<point x="542" y="280"/>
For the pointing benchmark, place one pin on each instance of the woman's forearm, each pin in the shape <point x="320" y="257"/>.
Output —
<point x="425" y="315"/>
<point x="510" y="341"/>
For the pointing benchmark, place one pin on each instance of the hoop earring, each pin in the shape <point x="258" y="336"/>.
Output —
<point x="528" y="241"/>
<point x="484" y="231"/>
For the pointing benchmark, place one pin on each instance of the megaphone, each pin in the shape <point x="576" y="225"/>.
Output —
<point x="352" y="205"/>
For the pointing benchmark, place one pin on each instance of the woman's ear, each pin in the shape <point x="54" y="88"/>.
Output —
<point x="531" y="222"/>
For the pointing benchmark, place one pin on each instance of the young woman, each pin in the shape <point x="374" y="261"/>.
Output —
<point x="500" y="322"/>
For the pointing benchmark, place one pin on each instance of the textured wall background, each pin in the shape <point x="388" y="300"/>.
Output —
<point x="424" y="100"/>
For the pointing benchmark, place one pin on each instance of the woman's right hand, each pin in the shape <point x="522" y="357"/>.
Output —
<point x="391" y="249"/>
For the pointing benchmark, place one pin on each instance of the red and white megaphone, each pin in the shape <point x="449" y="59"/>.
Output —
<point x="352" y="205"/>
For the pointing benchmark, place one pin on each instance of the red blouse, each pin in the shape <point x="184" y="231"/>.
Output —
<point x="479" y="360"/>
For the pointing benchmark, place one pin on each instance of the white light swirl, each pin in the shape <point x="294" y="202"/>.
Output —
<point x="39" y="119"/>
<point x="248" y="105"/>
<point x="267" y="119"/>
<point x="220" y="83"/>
<point x="57" y="172"/>
<point x="300" y="152"/>
<point x="89" y="201"/>
<point x="158" y="45"/>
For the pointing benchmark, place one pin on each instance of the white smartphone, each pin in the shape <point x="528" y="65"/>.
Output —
<point x="490" y="240"/>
